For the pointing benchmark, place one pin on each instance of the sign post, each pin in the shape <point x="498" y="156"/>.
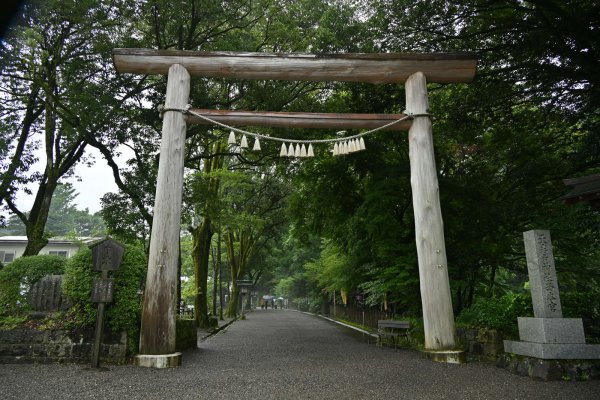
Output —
<point x="107" y="256"/>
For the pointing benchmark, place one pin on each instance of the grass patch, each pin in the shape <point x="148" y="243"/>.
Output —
<point x="12" y="322"/>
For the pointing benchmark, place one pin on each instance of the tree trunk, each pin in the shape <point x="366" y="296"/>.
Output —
<point x="233" y="304"/>
<point x="216" y="272"/>
<point x="200" y="256"/>
<point x="36" y="221"/>
<point x="220" y="276"/>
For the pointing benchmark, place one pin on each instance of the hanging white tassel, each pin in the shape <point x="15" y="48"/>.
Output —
<point x="231" y="139"/>
<point x="362" y="144"/>
<point x="297" y="151"/>
<point x="303" y="151"/>
<point x="283" y="152"/>
<point x="256" y="146"/>
<point x="346" y="150"/>
<point x="310" y="152"/>
<point x="336" y="149"/>
<point x="244" y="142"/>
<point x="352" y="146"/>
<point x="291" y="151"/>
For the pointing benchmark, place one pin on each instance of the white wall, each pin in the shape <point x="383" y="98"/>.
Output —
<point x="16" y="245"/>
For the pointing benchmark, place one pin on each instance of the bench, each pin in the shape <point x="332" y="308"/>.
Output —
<point x="391" y="330"/>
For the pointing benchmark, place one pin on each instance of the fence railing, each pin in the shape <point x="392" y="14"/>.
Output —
<point x="364" y="316"/>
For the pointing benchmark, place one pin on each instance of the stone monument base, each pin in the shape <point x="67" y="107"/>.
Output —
<point x="554" y="351"/>
<point x="445" y="356"/>
<point x="551" y="330"/>
<point x="158" y="360"/>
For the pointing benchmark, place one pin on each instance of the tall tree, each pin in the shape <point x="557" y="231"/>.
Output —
<point x="55" y="79"/>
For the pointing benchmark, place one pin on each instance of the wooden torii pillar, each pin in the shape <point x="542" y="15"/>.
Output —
<point x="157" y="339"/>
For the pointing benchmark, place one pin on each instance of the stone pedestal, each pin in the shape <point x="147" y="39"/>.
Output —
<point x="551" y="330"/>
<point x="554" y="351"/>
<point x="158" y="360"/>
<point x="548" y="336"/>
<point x="552" y="339"/>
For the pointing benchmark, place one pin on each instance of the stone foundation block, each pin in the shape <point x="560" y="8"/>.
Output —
<point x="551" y="330"/>
<point x="554" y="351"/>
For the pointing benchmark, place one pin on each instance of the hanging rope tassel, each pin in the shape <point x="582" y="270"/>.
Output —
<point x="336" y="149"/>
<point x="362" y="144"/>
<point x="297" y="151"/>
<point x="231" y="139"/>
<point x="256" y="146"/>
<point x="291" y="150"/>
<point x="310" y="152"/>
<point x="244" y="142"/>
<point x="303" y="151"/>
<point x="284" y="151"/>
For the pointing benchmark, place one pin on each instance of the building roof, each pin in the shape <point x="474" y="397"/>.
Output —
<point x="586" y="189"/>
<point x="56" y="240"/>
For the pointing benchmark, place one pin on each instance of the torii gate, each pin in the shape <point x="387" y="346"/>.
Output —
<point x="157" y="338"/>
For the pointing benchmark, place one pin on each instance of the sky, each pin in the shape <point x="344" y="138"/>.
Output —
<point x="92" y="184"/>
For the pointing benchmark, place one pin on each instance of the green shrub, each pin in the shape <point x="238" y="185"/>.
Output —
<point x="123" y="314"/>
<point x="17" y="278"/>
<point x="499" y="313"/>
<point x="584" y="305"/>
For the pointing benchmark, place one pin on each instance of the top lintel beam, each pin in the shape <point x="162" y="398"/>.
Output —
<point x="347" y="67"/>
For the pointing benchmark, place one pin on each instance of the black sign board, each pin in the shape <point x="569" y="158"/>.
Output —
<point x="103" y="289"/>
<point x="107" y="255"/>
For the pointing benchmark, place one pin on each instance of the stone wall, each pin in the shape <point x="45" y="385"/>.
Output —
<point x="28" y="345"/>
<point x="550" y="370"/>
<point x="186" y="334"/>
<point x="481" y="344"/>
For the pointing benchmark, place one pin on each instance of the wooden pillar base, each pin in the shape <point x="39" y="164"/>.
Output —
<point x="158" y="360"/>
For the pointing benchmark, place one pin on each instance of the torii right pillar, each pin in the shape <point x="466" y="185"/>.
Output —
<point x="438" y="317"/>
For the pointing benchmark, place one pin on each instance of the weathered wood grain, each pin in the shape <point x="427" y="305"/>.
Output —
<point x="438" y="318"/>
<point x="352" y="67"/>
<point x="300" y="120"/>
<point x="157" y="334"/>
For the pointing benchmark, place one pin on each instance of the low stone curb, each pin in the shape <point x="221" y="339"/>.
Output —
<point x="216" y="330"/>
<point x="339" y="323"/>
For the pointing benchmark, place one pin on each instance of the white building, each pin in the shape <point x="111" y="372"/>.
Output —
<point x="12" y="247"/>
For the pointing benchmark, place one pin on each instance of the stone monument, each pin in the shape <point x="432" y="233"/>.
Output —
<point x="547" y="335"/>
<point x="45" y="297"/>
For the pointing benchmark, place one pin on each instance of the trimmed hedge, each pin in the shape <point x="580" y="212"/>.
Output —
<point x="500" y="313"/>
<point x="19" y="276"/>
<point x="124" y="313"/>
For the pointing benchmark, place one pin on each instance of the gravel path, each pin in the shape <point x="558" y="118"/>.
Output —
<point x="279" y="354"/>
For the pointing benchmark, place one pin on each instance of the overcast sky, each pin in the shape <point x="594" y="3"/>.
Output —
<point x="92" y="184"/>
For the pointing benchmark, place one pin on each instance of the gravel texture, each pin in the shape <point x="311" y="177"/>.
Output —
<point x="280" y="354"/>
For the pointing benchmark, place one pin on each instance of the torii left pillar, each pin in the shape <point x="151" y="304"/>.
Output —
<point x="157" y="336"/>
<point x="438" y="319"/>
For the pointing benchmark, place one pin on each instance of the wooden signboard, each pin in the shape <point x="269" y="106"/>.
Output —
<point x="107" y="255"/>
<point x="103" y="290"/>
